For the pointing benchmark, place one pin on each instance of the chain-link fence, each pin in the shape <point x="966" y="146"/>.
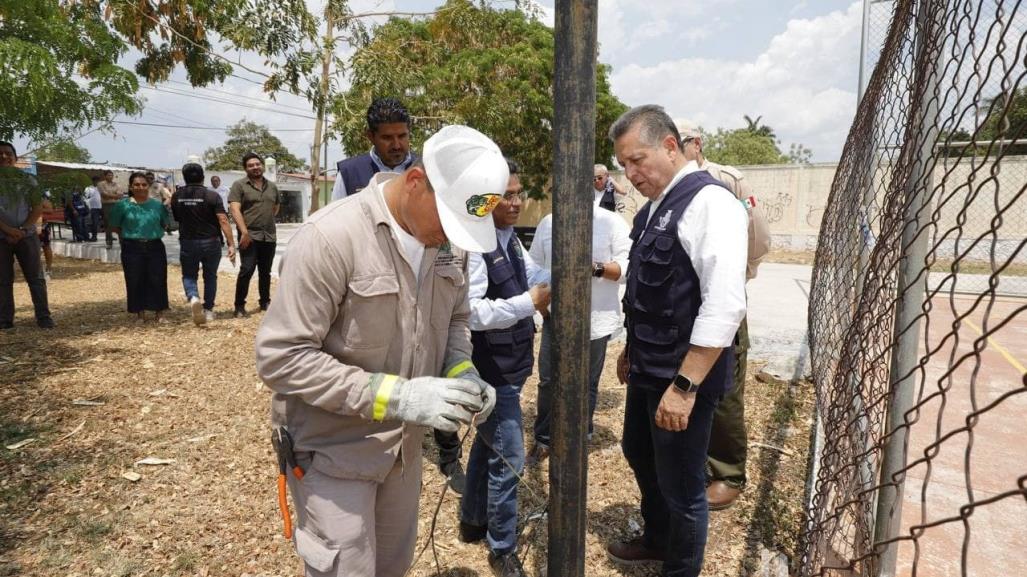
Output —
<point x="917" y="325"/>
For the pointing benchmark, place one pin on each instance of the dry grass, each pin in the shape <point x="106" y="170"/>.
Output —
<point x="190" y="394"/>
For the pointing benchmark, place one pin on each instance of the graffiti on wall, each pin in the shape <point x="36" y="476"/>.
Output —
<point x="774" y="208"/>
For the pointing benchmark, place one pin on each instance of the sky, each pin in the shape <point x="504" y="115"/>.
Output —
<point x="792" y="62"/>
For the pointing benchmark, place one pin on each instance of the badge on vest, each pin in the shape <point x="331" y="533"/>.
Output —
<point x="661" y="225"/>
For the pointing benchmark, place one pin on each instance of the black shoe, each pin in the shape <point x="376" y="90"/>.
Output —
<point x="6" y="326"/>
<point x="472" y="533"/>
<point x="455" y="476"/>
<point x="263" y="307"/>
<point x="240" y="313"/>
<point x="46" y="323"/>
<point x="506" y="565"/>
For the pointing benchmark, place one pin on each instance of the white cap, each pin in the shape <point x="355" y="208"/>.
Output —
<point x="687" y="129"/>
<point x="469" y="175"/>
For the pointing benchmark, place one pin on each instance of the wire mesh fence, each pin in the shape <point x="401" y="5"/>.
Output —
<point x="917" y="325"/>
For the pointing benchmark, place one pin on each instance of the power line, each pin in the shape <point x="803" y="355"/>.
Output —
<point x="234" y="95"/>
<point x="203" y="127"/>
<point x="225" y="101"/>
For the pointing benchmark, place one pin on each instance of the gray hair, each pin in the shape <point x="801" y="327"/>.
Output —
<point x="655" y="124"/>
<point x="601" y="167"/>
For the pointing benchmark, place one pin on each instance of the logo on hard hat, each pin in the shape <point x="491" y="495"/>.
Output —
<point x="482" y="204"/>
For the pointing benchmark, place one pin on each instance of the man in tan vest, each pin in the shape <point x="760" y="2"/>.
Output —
<point x="728" y="442"/>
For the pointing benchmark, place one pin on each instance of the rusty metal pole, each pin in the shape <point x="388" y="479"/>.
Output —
<point x="574" y="97"/>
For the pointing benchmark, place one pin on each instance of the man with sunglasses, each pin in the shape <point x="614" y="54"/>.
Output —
<point x="368" y="345"/>
<point x="729" y="441"/>
<point x="605" y="189"/>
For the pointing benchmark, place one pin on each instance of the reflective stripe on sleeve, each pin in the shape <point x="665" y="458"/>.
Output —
<point x="381" y="399"/>
<point x="458" y="369"/>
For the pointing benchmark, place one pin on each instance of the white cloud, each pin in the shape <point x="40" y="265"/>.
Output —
<point x="803" y="84"/>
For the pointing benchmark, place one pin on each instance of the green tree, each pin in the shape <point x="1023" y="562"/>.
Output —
<point x="59" y="69"/>
<point x="741" y="146"/>
<point x="475" y="65"/>
<point x="63" y="150"/>
<point x="244" y="137"/>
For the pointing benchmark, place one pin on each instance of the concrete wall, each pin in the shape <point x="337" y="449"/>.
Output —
<point x="794" y="198"/>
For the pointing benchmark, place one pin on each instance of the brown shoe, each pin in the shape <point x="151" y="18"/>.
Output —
<point x="721" y="495"/>
<point x="633" y="552"/>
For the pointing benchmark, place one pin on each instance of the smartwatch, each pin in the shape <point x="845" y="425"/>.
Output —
<point x="598" y="269"/>
<point x="685" y="384"/>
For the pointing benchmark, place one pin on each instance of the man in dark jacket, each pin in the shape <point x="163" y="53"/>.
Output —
<point x="388" y="129"/>
<point x="202" y="222"/>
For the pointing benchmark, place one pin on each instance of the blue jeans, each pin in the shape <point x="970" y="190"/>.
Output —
<point x="194" y="253"/>
<point x="670" y="469"/>
<point x="597" y="356"/>
<point x="490" y="497"/>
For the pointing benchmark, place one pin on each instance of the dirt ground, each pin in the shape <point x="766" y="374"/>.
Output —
<point x="103" y="392"/>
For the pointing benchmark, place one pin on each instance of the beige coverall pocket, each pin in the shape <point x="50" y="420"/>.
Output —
<point x="314" y="551"/>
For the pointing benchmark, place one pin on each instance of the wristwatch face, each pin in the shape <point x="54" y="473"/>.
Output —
<point x="685" y="384"/>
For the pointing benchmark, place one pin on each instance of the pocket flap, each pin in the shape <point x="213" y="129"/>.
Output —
<point x="504" y="337"/>
<point x="452" y="273"/>
<point x="656" y="335"/>
<point x="374" y="284"/>
<point x="314" y="551"/>
<point x="501" y="271"/>
<point x="665" y="242"/>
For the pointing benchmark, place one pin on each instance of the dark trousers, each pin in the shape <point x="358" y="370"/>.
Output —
<point x="729" y="441"/>
<point x="597" y="356"/>
<point x="145" y="263"/>
<point x="449" y="448"/>
<point x="670" y="469"/>
<point x="27" y="252"/>
<point x="94" y="222"/>
<point x="194" y="254"/>
<point x="78" y="225"/>
<point x="108" y="236"/>
<point x="258" y="256"/>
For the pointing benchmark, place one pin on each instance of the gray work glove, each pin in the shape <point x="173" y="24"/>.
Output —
<point x="463" y="369"/>
<point x="442" y="404"/>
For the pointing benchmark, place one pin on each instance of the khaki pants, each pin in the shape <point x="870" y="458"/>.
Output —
<point x="353" y="528"/>
<point x="729" y="440"/>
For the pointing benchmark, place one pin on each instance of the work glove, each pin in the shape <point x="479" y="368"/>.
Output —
<point x="442" y="404"/>
<point x="461" y="368"/>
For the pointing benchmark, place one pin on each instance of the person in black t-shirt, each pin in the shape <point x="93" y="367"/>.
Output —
<point x="202" y="222"/>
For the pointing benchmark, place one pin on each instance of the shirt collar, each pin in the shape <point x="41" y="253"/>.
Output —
<point x="376" y="198"/>
<point x="687" y="169"/>
<point x="381" y="165"/>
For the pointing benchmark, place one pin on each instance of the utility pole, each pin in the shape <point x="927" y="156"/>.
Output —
<point x="574" y="103"/>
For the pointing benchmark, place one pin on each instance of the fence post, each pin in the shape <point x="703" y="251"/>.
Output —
<point x="574" y="151"/>
<point x="912" y="283"/>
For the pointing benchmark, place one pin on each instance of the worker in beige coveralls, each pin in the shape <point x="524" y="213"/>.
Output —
<point x="728" y="440"/>
<point x="367" y="344"/>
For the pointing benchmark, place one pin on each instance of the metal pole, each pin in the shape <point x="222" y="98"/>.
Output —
<point x="574" y="150"/>
<point x="912" y="282"/>
<point x="863" y="52"/>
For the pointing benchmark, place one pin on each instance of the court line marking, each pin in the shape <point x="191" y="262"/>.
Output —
<point x="999" y="348"/>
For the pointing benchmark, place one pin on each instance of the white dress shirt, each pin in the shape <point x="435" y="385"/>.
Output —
<point x="339" y="189"/>
<point x="488" y="314"/>
<point x="610" y="243"/>
<point x="713" y="230"/>
<point x="223" y="193"/>
<point x="93" y="200"/>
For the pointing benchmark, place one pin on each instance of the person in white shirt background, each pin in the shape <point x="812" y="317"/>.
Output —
<point x="222" y="190"/>
<point x="610" y="247"/>
<point x="95" y="204"/>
